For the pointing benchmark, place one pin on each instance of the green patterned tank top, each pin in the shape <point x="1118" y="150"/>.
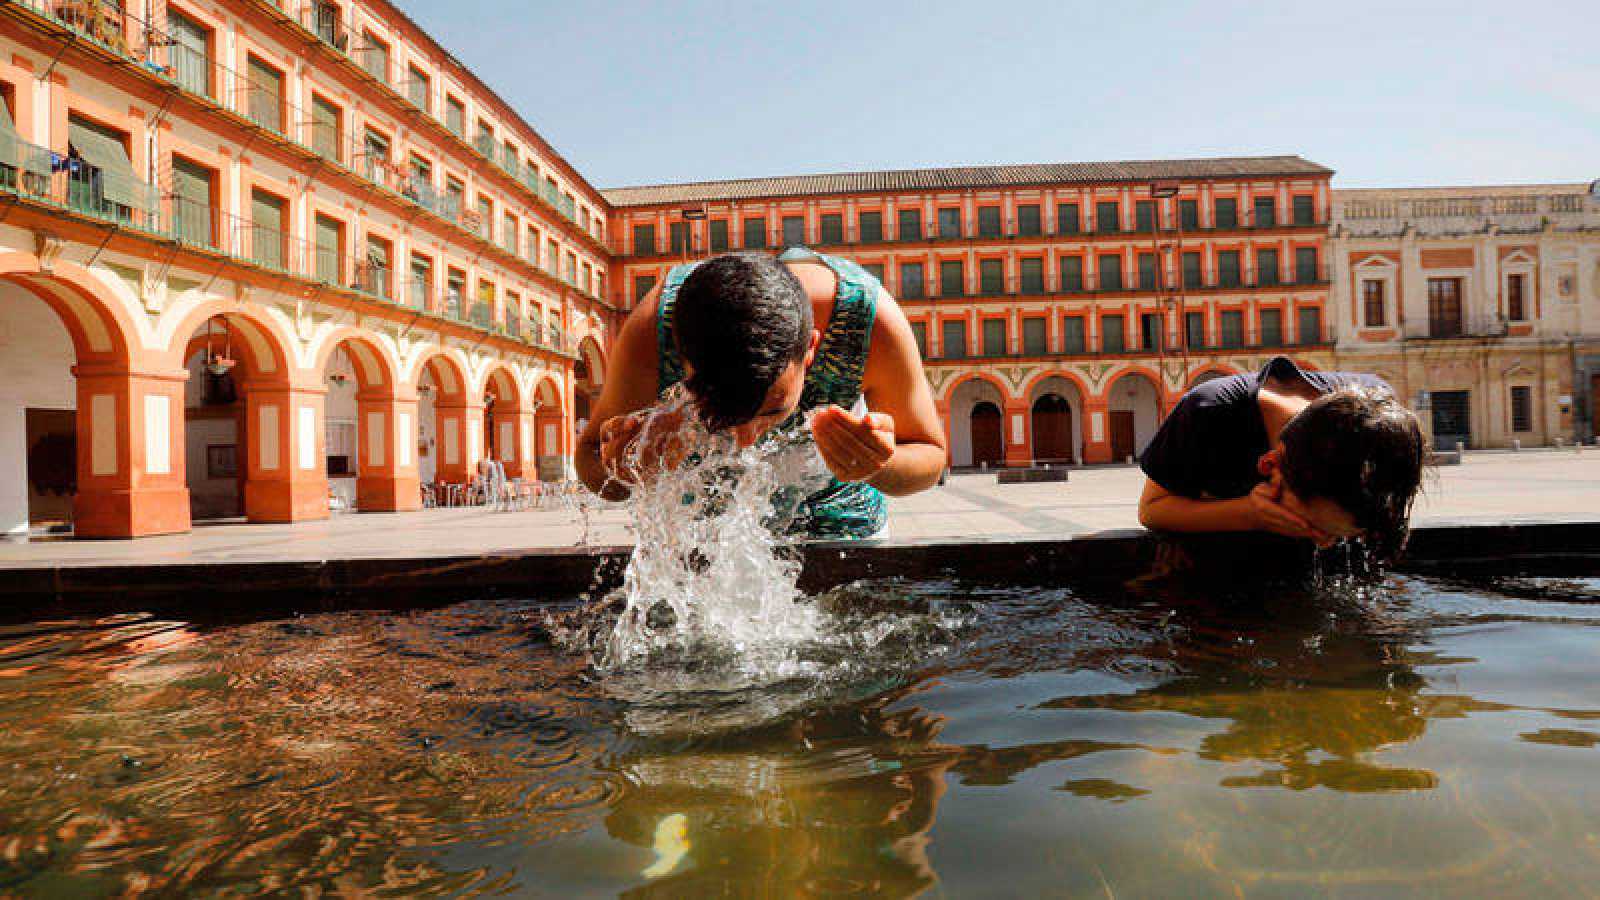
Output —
<point x="842" y="509"/>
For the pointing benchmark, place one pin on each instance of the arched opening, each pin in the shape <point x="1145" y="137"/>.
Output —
<point x="243" y="436"/>
<point x="988" y="435"/>
<point x="549" y="425"/>
<point x="589" y="377"/>
<point x="1134" y="414"/>
<point x="441" y="410"/>
<point x="964" y="400"/>
<point x="1056" y="414"/>
<point x="367" y="431"/>
<point x="502" y="412"/>
<point x="38" y="416"/>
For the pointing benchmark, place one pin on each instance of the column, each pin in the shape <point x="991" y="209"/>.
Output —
<point x="459" y="423"/>
<point x="1097" y="431"/>
<point x="285" y="478"/>
<point x="1019" y="450"/>
<point x="131" y="480"/>
<point x="515" y="442"/>
<point x="387" y="477"/>
<point x="547" y="431"/>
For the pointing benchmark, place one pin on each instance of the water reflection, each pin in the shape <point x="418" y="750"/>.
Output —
<point x="1065" y="741"/>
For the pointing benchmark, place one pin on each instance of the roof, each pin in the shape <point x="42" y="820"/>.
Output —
<point x="964" y="177"/>
<point x="1465" y="190"/>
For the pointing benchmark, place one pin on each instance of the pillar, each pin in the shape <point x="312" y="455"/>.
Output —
<point x="459" y="423"/>
<point x="1097" y="431"/>
<point x="131" y="479"/>
<point x="1019" y="450"/>
<point x="387" y="475"/>
<point x="549" y="429"/>
<point x="285" y="474"/>
<point x="515" y="442"/>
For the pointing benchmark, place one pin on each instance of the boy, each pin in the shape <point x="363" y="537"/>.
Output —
<point x="1324" y="456"/>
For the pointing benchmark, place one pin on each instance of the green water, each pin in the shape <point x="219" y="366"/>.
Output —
<point x="1421" y="738"/>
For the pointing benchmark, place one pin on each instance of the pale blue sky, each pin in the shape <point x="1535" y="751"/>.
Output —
<point x="1387" y="94"/>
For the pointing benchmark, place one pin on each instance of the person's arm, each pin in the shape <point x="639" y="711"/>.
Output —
<point x="630" y="386"/>
<point x="1260" y="510"/>
<point x="899" y="446"/>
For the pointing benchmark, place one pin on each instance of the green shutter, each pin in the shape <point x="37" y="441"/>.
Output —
<point x="266" y="95"/>
<point x="104" y="149"/>
<point x="191" y="202"/>
<point x="1033" y="337"/>
<point x="266" y="230"/>
<point x="327" y="237"/>
<point x="325" y="128"/>
<point x="190" y="54"/>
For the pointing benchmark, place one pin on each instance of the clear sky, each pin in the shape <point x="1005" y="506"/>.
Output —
<point x="1388" y="94"/>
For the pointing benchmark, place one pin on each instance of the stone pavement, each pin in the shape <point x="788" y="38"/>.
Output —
<point x="1536" y="485"/>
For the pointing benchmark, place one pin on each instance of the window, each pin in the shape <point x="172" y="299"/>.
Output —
<point x="755" y="233"/>
<point x="190" y="49"/>
<point x="919" y="330"/>
<point x="833" y="228"/>
<point x="1071" y="270"/>
<point x="267" y="238"/>
<point x="1067" y="221"/>
<point x="953" y="339"/>
<point x="994" y="337"/>
<point x="375" y="268"/>
<point x="910" y="225"/>
<point x="644" y="240"/>
<point x="1372" y="304"/>
<point x="1266" y="212"/>
<point x="950" y="222"/>
<point x="1113" y="337"/>
<point x="1109" y="269"/>
<point x="511" y="313"/>
<point x="1515" y="308"/>
<point x="1150" y="331"/>
<point x="1228" y="268"/>
<point x="572" y="268"/>
<point x="988" y="221"/>
<point x="1144" y="215"/>
<point x="870" y="225"/>
<point x="678" y="236"/>
<point x="1308" y="330"/>
<point x="1271" y="327"/>
<point x="330" y="250"/>
<point x="911" y="281"/>
<point x="375" y="156"/>
<point x="1105" y="218"/>
<point x="455" y="116"/>
<point x="485" y="227"/>
<point x="1267" y="268"/>
<point x="1032" y="270"/>
<point x="991" y="276"/>
<point x="103" y="184"/>
<point x="719" y="235"/>
<point x="1305" y="265"/>
<point x="1232" y="321"/>
<point x="1191" y="269"/>
<point x="533" y="246"/>
<point x="1194" y="329"/>
<point x="265" y="104"/>
<point x="1227" y="212"/>
<point x="1189" y="214"/>
<point x="510" y="158"/>
<point x="642" y="286"/>
<point x="483" y="308"/>
<point x="421" y="284"/>
<point x="552" y="255"/>
<point x="1028" y="222"/>
<point x="326" y="23"/>
<point x="192" y="219"/>
<point x="1072" y="340"/>
<point x="418" y="88"/>
<point x="1033" y="337"/>
<point x="326" y="131"/>
<point x="794" y="231"/>
<point x="375" y="57"/>
<point x="1147" y="271"/>
<point x="455" y="293"/>
<point x="455" y="199"/>
<point x="950" y="278"/>
<point x="1304" y="213"/>
<point x="875" y="270"/>
<point x="1522" y="408"/>
<point x="509" y="230"/>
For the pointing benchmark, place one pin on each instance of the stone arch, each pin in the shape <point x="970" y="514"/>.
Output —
<point x="99" y="324"/>
<point x="265" y="343"/>
<point x="1056" y="433"/>
<point x="1134" y="411"/>
<point x="507" y="426"/>
<point x="962" y="399"/>
<point x="374" y="364"/>
<point x="589" y="377"/>
<point x="449" y="414"/>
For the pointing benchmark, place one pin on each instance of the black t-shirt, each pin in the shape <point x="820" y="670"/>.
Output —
<point x="1211" y="443"/>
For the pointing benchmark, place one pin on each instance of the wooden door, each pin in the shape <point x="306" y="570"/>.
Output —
<point x="1052" y="429"/>
<point x="1121" y="434"/>
<point x="988" y="438"/>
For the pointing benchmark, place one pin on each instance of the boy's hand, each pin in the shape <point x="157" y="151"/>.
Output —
<point x="855" y="448"/>
<point x="662" y="448"/>
<point x="1269" y="514"/>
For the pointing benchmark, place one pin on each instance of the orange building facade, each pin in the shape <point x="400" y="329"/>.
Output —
<point x="266" y="259"/>
<point x="1062" y="310"/>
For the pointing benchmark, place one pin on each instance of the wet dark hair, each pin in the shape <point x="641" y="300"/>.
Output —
<point x="739" y="321"/>
<point x="1360" y="448"/>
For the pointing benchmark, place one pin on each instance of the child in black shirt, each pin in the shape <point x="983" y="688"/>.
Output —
<point x="1324" y="456"/>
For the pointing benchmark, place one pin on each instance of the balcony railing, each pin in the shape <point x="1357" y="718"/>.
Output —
<point x="1093" y="283"/>
<point x="852" y="236"/>
<point x="77" y="187"/>
<point x="1442" y="328"/>
<point x="977" y="355"/>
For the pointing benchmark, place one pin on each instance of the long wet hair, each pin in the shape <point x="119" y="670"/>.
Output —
<point x="740" y="320"/>
<point x="1361" y="449"/>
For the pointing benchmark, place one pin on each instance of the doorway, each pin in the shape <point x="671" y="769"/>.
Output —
<point x="1452" y="419"/>
<point x="1122" y="434"/>
<point x="1052" y="429"/>
<point x="988" y="441"/>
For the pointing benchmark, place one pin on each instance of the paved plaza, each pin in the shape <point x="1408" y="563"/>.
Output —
<point x="1528" y="486"/>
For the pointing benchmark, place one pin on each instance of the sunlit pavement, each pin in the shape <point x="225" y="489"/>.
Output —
<point x="1529" y="486"/>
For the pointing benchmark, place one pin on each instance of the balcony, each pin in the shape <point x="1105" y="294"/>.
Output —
<point x="1322" y="342"/>
<point x="1454" y="328"/>
<point x="74" y="186"/>
<point x="1092" y="284"/>
<point x="1245" y="222"/>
